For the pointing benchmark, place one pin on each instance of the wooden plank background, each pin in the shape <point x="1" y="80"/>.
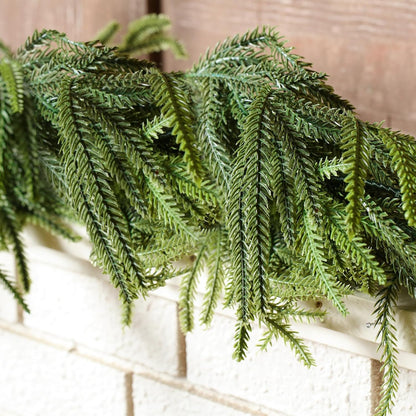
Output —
<point x="79" y="19"/>
<point x="367" y="46"/>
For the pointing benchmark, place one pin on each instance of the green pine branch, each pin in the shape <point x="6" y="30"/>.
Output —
<point x="356" y="154"/>
<point x="250" y="159"/>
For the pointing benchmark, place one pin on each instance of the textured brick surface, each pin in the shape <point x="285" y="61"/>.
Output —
<point x="406" y="399"/>
<point x="39" y="380"/>
<point x="152" y="398"/>
<point x="339" y="384"/>
<point x="86" y="309"/>
<point x="8" y="306"/>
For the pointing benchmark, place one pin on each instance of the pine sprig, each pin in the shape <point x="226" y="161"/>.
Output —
<point x="255" y="147"/>
<point x="83" y="167"/>
<point x="216" y="271"/>
<point x="384" y="312"/>
<point x="149" y="34"/>
<point x="241" y="339"/>
<point x="11" y="287"/>
<point x="301" y="166"/>
<point x="354" y="247"/>
<point x="403" y="154"/>
<point x="188" y="290"/>
<point x="13" y="78"/>
<point x="282" y="186"/>
<point x="356" y="154"/>
<point x="282" y="330"/>
<point x="169" y="92"/>
<point x="168" y="211"/>
<point x="313" y="250"/>
<point x="11" y="231"/>
<point x="212" y="135"/>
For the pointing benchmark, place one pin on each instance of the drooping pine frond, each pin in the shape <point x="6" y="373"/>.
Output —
<point x="107" y="33"/>
<point x="5" y="50"/>
<point x="216" y="268"/>
<point x="282" y="330"/>
<point x="168" y="211"/>
<point x="355" y="248"/>
<point x="249" y="161"/>
<point x="249" y="212"/>
<point x="83" y="167"/>
<point x="356" y="154"/>
<point x="241" y="338"/>
<point x="170" y="95"/>
<point x="313" y="251"/>
<point x="403" y="154"/>
<point x="387" y="299"/>
<point x="188" y="290"/>
<point x="11" y="74"/>
<point x="256" y="143"/>
<point x="282" y="185"/>
<point x="145" y="35"/>
<point x="9" y="285"/>
<point x="13" y="238"/>
<point x="213" y="134"/>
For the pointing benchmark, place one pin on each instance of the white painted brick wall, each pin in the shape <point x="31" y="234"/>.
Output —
<point x="339" y="385"/>
<point x="85" y="308"/>
<point x="406" y="397"/>
<point x="71" y="357"/>
<point x="157" y="399"/>
<point x="40" y="380"/>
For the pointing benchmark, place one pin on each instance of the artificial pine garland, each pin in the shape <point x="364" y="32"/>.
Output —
<point x="249" y="160"/>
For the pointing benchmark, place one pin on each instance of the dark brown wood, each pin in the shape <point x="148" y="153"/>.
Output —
<point x="367" y="46"/>
<point x="154" y="6"/>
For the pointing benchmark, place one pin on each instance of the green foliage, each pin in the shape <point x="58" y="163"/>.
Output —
<point x="384" y="312"/>
<point x="170" y="95"/>
<point x="402" y="152"/>
<point x="145" y="35"/>
<point x="11" y="287"/>
<point x="317" y="260"/>
<point x="12" y="77"/>
<point x="107" y="33"/>
<point x="356" y="155"/>
<point x="249" y="161"/>
<point x="279" y="330"/>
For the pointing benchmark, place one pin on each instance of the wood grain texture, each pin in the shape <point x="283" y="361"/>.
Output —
<point x="367" y="46"/>
<point x="376" y="376"/>
<point x="80" y="19"/>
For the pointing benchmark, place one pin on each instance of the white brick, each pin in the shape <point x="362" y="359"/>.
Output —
<point x="7" y="413"/>
<point x="153" y="399"/>
<point x="406" y="399"/>
<point x="39" y="380"/>
<point x="85" y="308"/>
<point x="8" y="305"/>
<point x="338" y="385"/>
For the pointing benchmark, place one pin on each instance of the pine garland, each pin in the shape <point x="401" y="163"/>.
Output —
<point x="249" y="160"/>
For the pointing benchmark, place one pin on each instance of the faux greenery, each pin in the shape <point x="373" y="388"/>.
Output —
<point x="250" y="160"/>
